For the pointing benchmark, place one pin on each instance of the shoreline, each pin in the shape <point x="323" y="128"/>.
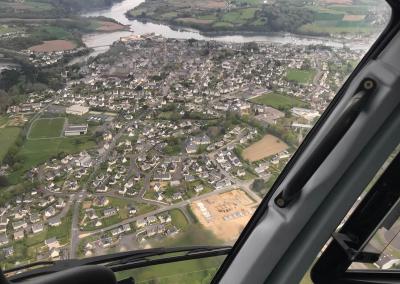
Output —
<point x="245" y="33"/>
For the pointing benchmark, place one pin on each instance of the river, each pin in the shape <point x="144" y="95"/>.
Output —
<point x="100" y="42"/>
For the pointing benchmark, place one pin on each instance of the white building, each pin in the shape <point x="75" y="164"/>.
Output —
<point x="74" y="130"/>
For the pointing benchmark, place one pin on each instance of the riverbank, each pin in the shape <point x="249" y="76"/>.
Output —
<point x="208" y="32"/>
<point x="216" y="17"/>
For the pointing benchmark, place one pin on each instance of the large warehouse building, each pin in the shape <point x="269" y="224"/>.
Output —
<point x="74" y="130"/>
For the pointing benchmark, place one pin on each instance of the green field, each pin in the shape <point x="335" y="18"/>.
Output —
<point x="35" y="152"/>
<point x="8" y="136"/>
<point x="46" y="128"/>
<point x="178" y="219"/>
<point x="300" y="75"/>
<point x="278" y="101"/>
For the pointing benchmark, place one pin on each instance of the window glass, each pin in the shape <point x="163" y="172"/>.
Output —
<point x="190" y="271"/>
<point x="137" y="124"/>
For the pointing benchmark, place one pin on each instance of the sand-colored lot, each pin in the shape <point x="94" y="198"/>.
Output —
<point x="109" y="27"/>
<point x="267" y="146"/>
<point x="54" y="45"/>
<point x="225" y="214"/>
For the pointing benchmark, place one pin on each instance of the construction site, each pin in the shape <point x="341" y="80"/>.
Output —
<point x="225" y="214"/>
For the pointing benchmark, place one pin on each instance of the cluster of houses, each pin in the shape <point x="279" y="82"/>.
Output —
<point x="27" y="216"/>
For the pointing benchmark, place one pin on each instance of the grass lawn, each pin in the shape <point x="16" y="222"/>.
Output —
<point x="178" y="219"/>
<point x="300" y="76"/>
<point x="8" y="136"/>
<point x="46" y="128"/>
<point x="62" y="231"/>
<point x="279" y="101"/>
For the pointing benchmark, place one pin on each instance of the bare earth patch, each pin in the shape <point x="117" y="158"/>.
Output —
<point x="225" y="214"/>
<point x="54" y="45"/>
<point x="267" y="146"/>
<point x="109" y="27"/>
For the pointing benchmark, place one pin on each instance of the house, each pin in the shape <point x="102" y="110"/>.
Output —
<point x="50" y="211"/>
<point x="106" y="242"/>
<point x="110" y="212"/>
<point x="157" y="187"/>
<point x="177" y="196"/>
<point x="52" y="243"/>
<point x="34" y="218"/>
<point x="199" y="188"/>
<point x="141" y="223"/>
<point x="37" y="228"/>
<point x="162" y="176"/>
<point x="60" y="203"/>
<point x="54" y="222"/>
<point x="126" y="227"/>
<point x="55" y="253"/>
<point x="4" y="220"/>
<point x="164" y="218"/>
<point x="241" y="172"/>
<point x="3" y="239"/>
<point x="131" y="210"/>
<point x="151" y="231"/>
<point x="18" y="235"/>
<point x="77" y="110"/>
<point x="151" y="219"/>
<point x="171" y="231"/>
<point x="191" y="148"/>
<point x="8" y="252"/>
<point x="91" y="214"/>
<point x="100" y="201"/>
<point x="19" y="224"/>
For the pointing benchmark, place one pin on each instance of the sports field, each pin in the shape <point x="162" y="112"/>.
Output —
<point x="299" y="75"/>
<point x="46" y="128"/>
<point x="278" y="101"/>
<point x="269" y="145"/>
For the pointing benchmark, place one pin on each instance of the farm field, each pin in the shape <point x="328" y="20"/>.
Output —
<point x="278" y="101"/>
<point x="300" y="76"/>
<point x="269" y="145"/>
<point x="46" y="128"/>
<point x="8" y="135"/>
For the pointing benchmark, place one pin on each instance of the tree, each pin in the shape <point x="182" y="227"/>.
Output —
<point x="3" y="181"/>
<point x="258" y="185"/>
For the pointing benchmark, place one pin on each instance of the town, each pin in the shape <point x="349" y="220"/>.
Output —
<point x="156" y="139"/>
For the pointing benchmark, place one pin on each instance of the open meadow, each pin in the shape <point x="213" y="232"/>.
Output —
<point x="8" y="135"/>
